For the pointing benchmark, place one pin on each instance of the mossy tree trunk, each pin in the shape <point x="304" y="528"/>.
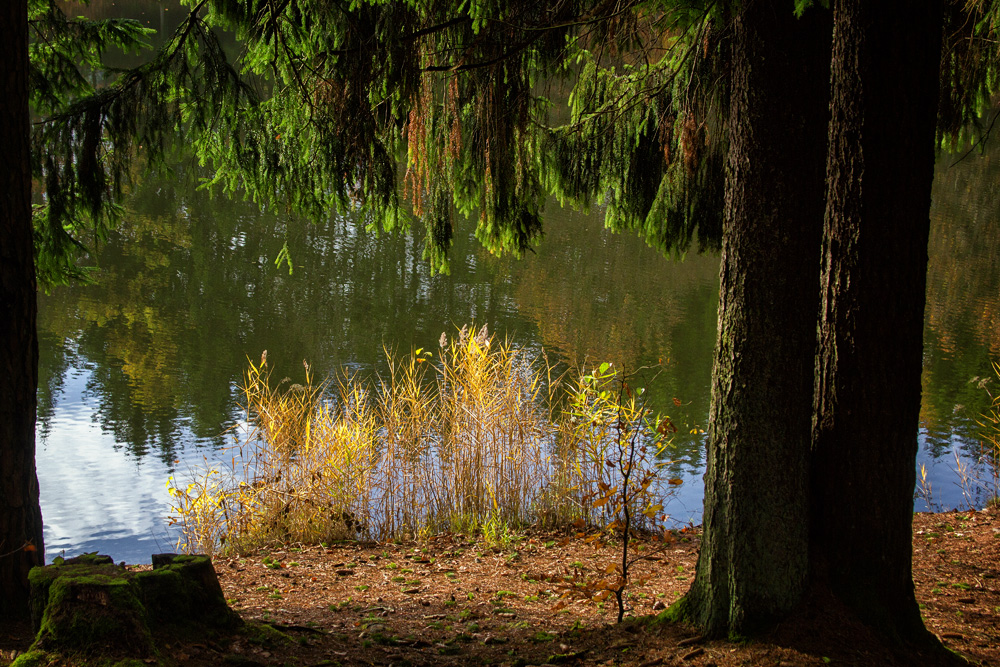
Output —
<point x="753" y="564"/>
<point x="885" y="82"/>
<point x="20" y="516"/>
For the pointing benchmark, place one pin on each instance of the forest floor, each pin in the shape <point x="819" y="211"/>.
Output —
<point x="453" y="601"/>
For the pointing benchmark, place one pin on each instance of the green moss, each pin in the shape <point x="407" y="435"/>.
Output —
<point x="263" y="634"/>
<point x="678" y="612"/>
<point x="97" y="613"/>
<point x="41" y="578"/>
<point x="92" y="559"/>
<point x="186" y="594"/>
<point x="32" y="658"/>
<point x="165" y="594"/>
<point x="187" y="558"/>
<point x="739" y="638"/>
<point x="45" y="658"/>
<point x="94" y="610"/>
<point x="383" y="639"/>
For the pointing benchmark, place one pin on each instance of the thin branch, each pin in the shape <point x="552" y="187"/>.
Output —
<point x="982" y="139"/>
<point x="486" y="63"/>
<point x="135" y="77"/>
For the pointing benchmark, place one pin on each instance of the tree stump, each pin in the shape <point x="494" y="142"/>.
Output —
<point x="184" y="592"/>
<point x="87" y="606"/>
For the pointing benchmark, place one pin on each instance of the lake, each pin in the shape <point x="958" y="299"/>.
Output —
<point x="139" y="372"/>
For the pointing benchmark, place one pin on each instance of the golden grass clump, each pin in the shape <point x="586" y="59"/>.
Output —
<point x="464" y="442"/>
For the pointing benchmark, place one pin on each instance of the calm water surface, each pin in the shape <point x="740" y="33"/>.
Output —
<point x="139" y="372"/>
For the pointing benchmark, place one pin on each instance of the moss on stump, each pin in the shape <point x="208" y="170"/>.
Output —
<point x="88" y="607"/>
<point x="87" y="611"/>
<point x="184" y="591"/>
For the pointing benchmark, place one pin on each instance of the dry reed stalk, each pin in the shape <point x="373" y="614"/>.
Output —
<point x="464" y="442"/>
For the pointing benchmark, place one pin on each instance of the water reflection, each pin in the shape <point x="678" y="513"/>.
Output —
<point x="188" y="290"/>
<point x="96" y="499"/>
<point x="962" y="333"/>
<point x="139" y="372"/>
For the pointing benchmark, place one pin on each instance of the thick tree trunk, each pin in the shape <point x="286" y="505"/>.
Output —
<point x="881" y="161"/>
<point x="20" y="518"/>
<point x="754" y="556"/>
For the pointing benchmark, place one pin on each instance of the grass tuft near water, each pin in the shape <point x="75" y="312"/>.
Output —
<point x="464" y="440"/>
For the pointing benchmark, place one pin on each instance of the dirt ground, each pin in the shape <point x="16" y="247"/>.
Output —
<point x="453" y="601"/>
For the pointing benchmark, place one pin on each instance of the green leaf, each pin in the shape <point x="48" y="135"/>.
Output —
<point x="284" y="255"/>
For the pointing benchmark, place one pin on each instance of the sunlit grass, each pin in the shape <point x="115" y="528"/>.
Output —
<point x="990" y="421"/>
<point x="464" y="440"/>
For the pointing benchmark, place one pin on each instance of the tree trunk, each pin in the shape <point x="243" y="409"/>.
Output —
<point x="753" y="564"/>
<point x="20" y="517"/>
<point x="881" y="161"/>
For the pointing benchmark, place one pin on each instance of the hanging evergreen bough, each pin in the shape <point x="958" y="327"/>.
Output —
<point x="969" y="73"/>
<point x="414" y="110"/>
<point x="460" y="94"/>
<point x="333" y="107"/>
<point x="91" y="137"/>
<point x="646" y="142"/>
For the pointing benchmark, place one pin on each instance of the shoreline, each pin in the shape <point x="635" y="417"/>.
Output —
<point x="452" y="600"/>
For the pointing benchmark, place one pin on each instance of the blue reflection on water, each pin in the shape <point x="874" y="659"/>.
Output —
<point x="92" y="498"/>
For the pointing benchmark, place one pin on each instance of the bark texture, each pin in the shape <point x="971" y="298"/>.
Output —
<point x="20" y="517"/>
<point x="885" y="83"/>
<point x="753" y="564"/>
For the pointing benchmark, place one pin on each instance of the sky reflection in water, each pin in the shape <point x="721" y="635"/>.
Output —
<point x="139" y="372"/>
